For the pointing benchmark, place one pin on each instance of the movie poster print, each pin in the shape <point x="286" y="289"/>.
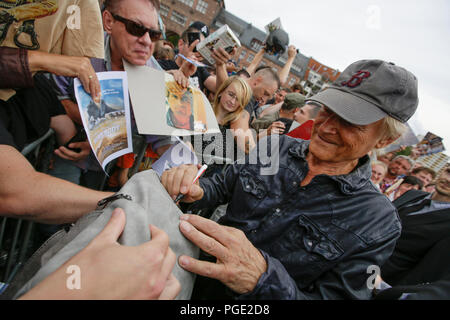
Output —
<point x="185" y="107"/>
<point x="108" y="123"/>
<point x="162" y="107"/>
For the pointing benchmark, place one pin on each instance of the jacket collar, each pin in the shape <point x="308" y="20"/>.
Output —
<point x="348" y="183"/>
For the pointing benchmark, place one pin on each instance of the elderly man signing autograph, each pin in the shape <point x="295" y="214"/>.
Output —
<point x="316" y="227"/>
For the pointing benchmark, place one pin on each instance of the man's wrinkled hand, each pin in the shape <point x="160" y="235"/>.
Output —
<point x="239" y="264"/>
<point x="179" y="180"/>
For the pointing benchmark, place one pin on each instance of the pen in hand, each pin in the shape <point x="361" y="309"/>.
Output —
<point x="199" y="174"/>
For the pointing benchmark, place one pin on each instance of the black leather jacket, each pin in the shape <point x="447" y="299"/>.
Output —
<point x="318" y="240"/>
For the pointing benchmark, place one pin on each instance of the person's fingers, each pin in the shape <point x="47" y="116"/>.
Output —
<point x="67" y="154"/>
<point x="61" y="153"/>
<point x="187" y="177"/>
<point x="84" y="79"/>
<point x="183" y="81"/>
<point x="233" y="53"/>
<point x="203" y="241"/>
<point x="203" y="268"/>
<point x="114" y="227"/>
<point x="167" y="265"/>
<point x="177" y="180"/>
<point x="221" y="55"/>
<point x="94" y="85"/>
<point x="178" y="79"/>
<point x="193" y="45"/>
<point x="279" y="124"/>
<point x="195" y="192"/>
<point x="159" y="239"/>
<point x="83" y="145"/>
<point x="209" y="228"/>
<point x="167" y="181"/>
<point x="171" y="290"/>
<point x="89" y="79"/>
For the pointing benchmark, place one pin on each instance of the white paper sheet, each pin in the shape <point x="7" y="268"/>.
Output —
<point x="150" y="103"/>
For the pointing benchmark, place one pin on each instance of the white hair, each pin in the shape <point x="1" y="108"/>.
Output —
<point x="393" y="128"/>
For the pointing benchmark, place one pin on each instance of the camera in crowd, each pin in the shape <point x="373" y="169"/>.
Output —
<point x="277" y="42"/>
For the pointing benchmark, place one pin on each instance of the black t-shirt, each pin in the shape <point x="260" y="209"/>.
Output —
<point x="198" y="78"/>
<point x="251" y="108"/>
<point x="26" y="116"/>
<point x="5" y="136"/>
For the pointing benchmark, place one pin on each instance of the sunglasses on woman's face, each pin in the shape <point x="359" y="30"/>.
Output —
<point x="136" y="29"/>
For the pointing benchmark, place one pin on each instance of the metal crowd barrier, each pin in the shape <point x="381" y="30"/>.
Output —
<point x="15" y="247"/>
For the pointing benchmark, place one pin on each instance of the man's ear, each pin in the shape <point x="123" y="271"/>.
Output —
<point x="257" y="80"/>
<point x="383" y="142"/>
<point x="108" y="21"/>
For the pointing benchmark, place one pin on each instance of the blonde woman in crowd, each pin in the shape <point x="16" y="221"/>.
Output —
<point x="228" y="105"/>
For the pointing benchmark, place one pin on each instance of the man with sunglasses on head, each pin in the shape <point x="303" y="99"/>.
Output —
<point x="131" y="32"/>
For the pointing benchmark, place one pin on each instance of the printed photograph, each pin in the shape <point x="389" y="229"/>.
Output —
<point x="185" y="108"/>
<point x="106" y="121"/>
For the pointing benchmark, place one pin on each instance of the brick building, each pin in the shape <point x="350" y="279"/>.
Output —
<point x="252" y="40"/>
<point x="177" y="15"/>
<point x="317" y="76"/>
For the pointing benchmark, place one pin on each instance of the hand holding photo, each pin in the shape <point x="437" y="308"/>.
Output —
<point x="107" y="123"/>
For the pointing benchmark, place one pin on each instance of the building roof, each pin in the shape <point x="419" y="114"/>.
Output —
<point x="246" y="33"/>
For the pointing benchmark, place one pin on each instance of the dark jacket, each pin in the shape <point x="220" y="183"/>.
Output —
<point x="431" y="277"/>
<point x="318" y="240"/>
<point x="415" y="259"/>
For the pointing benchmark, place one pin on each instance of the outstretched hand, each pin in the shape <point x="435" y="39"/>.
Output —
<point x="110" y="271"/>
<point x="67" y="66"/>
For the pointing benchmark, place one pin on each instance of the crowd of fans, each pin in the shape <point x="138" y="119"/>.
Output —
<point x="307" y="231"/>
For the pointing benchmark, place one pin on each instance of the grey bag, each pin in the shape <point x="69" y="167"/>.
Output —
<point x="145" y="201"/>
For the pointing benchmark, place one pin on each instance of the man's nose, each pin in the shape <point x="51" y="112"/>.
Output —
<point x="145" y="39"/>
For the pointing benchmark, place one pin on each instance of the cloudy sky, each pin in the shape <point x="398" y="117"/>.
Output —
<point x="413" y="34"/>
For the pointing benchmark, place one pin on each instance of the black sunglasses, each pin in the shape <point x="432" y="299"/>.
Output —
<point x="137" y="29"/>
